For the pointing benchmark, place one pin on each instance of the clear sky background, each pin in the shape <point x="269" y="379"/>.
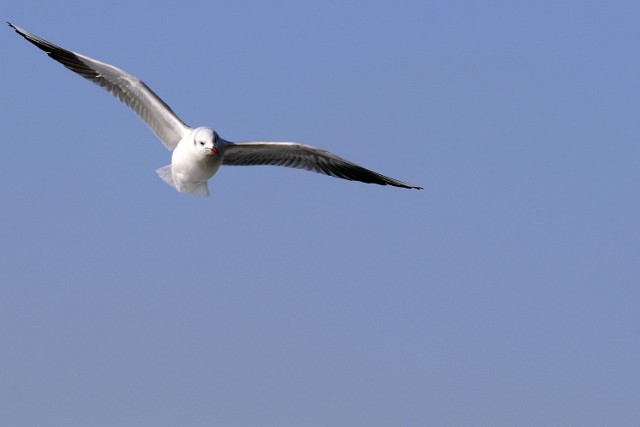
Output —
<point x="505" y="293"/>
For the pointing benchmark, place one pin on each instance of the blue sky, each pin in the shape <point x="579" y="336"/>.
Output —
<point x="505" y="293"/>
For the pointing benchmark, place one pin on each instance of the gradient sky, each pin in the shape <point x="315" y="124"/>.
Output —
<point x="505" y="293"/>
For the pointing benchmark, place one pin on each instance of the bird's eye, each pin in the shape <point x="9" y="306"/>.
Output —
<point x="201" y="143"/>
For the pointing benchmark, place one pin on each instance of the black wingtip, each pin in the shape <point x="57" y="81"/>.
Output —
<point x="16" y="29"/>
<point x="403" y="185"/>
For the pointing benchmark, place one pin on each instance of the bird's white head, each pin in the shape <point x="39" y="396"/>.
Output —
<point x="205" y="141"/>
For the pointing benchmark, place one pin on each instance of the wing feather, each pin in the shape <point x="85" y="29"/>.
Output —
<point x="130" y="90"/>
<point x="301" y="156"/>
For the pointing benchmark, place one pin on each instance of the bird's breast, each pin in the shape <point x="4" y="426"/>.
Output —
<point x="190" y="170"/>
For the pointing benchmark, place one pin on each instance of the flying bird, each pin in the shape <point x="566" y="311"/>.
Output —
<point x="199" y="152"/>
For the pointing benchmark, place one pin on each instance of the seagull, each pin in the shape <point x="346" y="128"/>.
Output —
<point x="199" y="152"/>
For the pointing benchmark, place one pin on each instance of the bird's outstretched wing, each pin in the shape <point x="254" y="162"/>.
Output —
<point x="130" y="90"/>
<point x="300" y="156"/>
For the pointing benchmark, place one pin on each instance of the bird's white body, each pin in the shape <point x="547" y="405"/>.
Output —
<point x="196" y="158"/>
<point x="199" y="152"/>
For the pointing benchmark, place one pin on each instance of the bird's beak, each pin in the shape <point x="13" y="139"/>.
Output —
<point x="214" y="150"/>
